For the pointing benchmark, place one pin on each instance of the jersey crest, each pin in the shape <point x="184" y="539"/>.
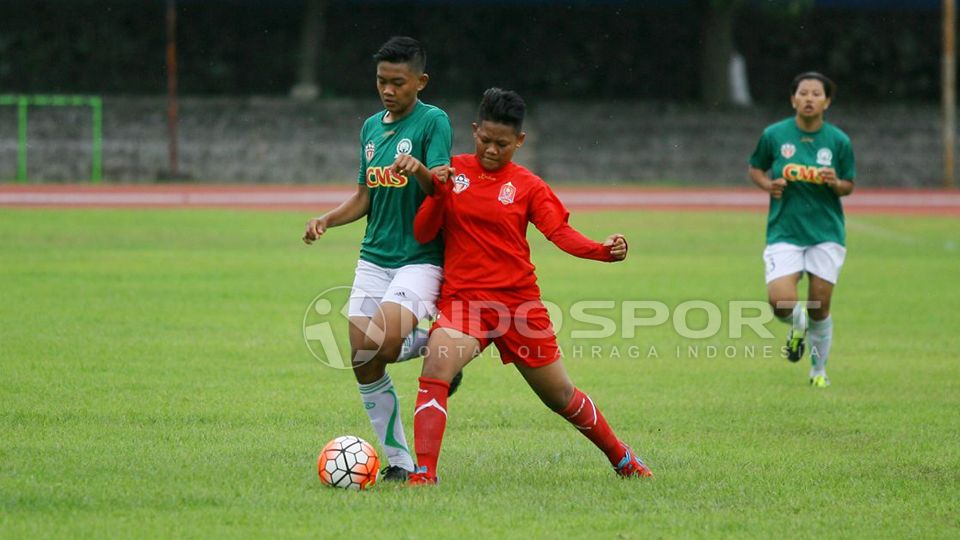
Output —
<point x="508" y="193"/>
<point x="404" y="147"/>
<point x="369" y="149"/>
<point x="460" y="183"/>
<point x="824" y="157"/>
<point x="787" y="150"/>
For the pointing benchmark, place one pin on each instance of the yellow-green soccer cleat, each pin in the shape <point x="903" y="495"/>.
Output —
<point x="795" y="346"/>
<point x="819" y="381"/>
<point x="798" y="331"/>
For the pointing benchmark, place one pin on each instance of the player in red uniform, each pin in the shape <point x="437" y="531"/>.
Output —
<point x="490" y="293"/>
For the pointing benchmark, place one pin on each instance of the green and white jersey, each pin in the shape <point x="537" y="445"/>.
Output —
<point x="425" y="133"/>
<point x="809" y="211"/>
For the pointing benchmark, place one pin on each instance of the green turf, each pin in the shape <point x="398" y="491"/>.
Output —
<point x="154" y="382"/>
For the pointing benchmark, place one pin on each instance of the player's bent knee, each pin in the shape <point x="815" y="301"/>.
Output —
<point x="368" y="372"/>
<point x="782" y="305"/>
<point x="438" y="365"/>
<point x="387" y="354"/>
<point x="781" y="312"/>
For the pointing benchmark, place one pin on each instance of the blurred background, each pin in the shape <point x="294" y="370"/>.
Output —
<point x="648" y="92"/>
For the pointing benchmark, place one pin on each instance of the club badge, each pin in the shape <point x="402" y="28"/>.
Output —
<point x="369" y="149"/>
<point x="460" y="183"/>
<point x="824" y="157"/>
<point x="507" y="193"/>
<point x="788" y="150"/>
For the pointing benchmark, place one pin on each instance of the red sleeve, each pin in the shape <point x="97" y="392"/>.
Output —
<point x="570" y="240"/>
<point x="549" y="215"/>
<point x="429" y="219"/>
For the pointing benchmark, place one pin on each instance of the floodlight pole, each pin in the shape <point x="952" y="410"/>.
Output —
<point x="172" y="108"/>
<point x="949" y="93"/>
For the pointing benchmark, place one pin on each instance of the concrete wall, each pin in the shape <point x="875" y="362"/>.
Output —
<point x="246" y="140"/>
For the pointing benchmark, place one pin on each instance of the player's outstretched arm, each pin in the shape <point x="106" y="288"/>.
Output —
<point x="613" y="249"/>
<point x="349" y="211"/>
<point x="550" y="217"/>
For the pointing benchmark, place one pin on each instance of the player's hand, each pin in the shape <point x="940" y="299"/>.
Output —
<point x="443" y="173"/>
<point x="406" y="164"/>
<point x="315" y="229"/>
<point x="829" y="176"/>
<point x="776" y="188"/>
<point x="618" y="246"/>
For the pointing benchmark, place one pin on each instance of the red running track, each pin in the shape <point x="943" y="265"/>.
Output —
<point x="316" y="198"/>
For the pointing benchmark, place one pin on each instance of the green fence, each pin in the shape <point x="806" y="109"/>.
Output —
<point x="23" y="102"/>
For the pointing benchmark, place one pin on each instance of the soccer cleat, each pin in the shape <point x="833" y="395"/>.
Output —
<point x="798" y="331"/>
<point x="420" y="477"/>
<point x="820" y="381"/>
<point x="795" y="345"/>
<point x="455" y="383"/>
<point x="394" y="473"/>
<point x="631" y="466"/>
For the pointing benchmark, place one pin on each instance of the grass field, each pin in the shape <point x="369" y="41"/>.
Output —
<point x="154" y="382"/>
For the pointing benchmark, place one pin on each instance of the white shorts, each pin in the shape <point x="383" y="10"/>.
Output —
<point x="415" y="287"/>
<point x="822" y="260"/>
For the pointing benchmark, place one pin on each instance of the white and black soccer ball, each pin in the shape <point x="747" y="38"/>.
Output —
<point x="348" y="462"/>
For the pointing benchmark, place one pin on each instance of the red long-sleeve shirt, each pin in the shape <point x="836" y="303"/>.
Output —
<point x="484" y="218"/>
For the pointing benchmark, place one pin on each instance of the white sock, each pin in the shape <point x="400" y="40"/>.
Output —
<point x="799" y="318"/>
<point x="413" y="344"/>
<point x="383" y="407"/>
<point x="821" y="336"/>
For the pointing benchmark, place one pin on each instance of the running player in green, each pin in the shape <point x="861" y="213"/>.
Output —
<point x="397" y="279"/>
<point x="811" y="166"/>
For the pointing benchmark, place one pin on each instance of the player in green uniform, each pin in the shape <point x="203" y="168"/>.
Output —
<point x="811" y="165"/>
<point x="397" y="279"/>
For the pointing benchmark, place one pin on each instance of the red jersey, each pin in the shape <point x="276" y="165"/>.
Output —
<point x="484" y="218"/>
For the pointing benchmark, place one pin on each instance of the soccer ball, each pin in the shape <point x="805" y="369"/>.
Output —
<point x="348" y="462"/>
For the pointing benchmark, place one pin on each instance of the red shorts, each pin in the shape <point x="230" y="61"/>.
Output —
<point x="521" y="330"/>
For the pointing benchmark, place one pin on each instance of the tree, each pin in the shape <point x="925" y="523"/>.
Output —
<point x="716" y="38"/>
<point x="307" y="86"/>
<point x="716" y="41"/>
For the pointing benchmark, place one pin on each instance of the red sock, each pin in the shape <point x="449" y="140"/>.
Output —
<point x="585" y="416"/>
<point x="429" y="421"/>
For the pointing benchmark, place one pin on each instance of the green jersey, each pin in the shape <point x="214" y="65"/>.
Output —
<point x="809" y="212"/>
<point x="425" y="134"/>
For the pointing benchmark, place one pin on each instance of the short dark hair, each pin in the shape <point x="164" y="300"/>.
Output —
<point x="503" y="107"/>
<point x="403" y="50"/>
<point x="828" y="87"/>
